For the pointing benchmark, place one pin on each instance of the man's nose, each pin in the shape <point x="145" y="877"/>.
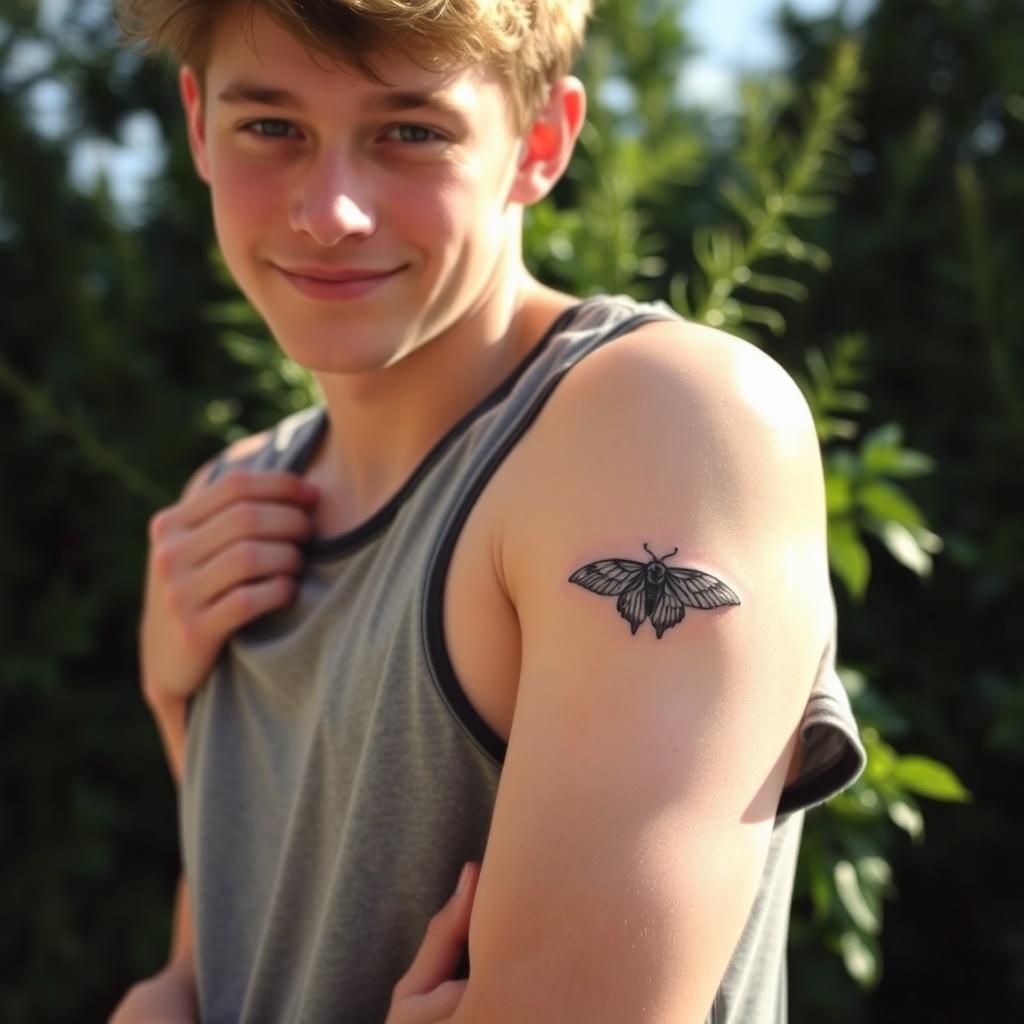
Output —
<point x="330" y="203"/>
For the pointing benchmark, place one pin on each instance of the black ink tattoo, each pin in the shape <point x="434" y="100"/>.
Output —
<point x="653" y="588"/>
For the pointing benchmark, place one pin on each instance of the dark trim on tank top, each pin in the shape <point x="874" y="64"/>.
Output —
<point x="337" y="545"/>
<point x="436" y="650"/>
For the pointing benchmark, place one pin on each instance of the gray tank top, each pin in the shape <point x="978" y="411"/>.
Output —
<point x="337" y="777"/>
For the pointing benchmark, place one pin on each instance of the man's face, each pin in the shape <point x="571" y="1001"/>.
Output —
<point x="361" y="220"/>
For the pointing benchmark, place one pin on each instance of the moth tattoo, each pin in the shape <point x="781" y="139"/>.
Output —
<point x="653" y="589"/>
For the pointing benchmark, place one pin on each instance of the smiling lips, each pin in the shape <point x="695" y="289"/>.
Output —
<point x="343" y="283"/>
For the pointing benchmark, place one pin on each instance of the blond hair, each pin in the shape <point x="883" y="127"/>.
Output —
<point x="530" y="43"/>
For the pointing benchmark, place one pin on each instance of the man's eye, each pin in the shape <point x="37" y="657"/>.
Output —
<point x="414" y="133"/>
<point x="270" y="128"/>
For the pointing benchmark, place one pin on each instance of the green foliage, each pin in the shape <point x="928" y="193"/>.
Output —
<point x="39" y="407"/>
<point x="264" y="374"/>
<point x="102" y="377"/>
<point x="861" y="495"/>
<point x="987" y="256"/>
<point x="779" y="176"/>
<point x="926" y="250"/>
<point x="843" y="870"/>
<point x="597" y="234"/>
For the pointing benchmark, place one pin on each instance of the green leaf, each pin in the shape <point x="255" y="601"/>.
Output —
<point x="875" y="872"/>
<point x="245" y="349"/>
<point x="885" y="436"/>
<point x="849" y="401"/>
<point x="848" y="557"/>
<point x="678" y="297"/>
<point x="928" y="541"/>
<point x="804" y="252"/>
<point x="883" y="454"/>
<point x="222" y="411"/>
<point x="810" y="206"/>
<point x="747" y="313"/>
<point x="818" y="366"/>
<point x="771" y="284"/>
<point x="908" y="818"/>
<point x="912" y="464"/>
<point x="854" y="900"/>
<point x="820" y="886"/>
<point x="930" y="778"/>
<point x="749" y="210"/>
<point x="904" y="547"/>
<point x="886" y="502"/>
<point x="838" y="494"/>
<point x="882" y="759"/>
<point x="860" y="958"/>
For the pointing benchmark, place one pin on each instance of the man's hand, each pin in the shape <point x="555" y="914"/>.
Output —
<point x="427" y="993"/>
<point x="166" y="998"/>
<point x="222" y="556"/>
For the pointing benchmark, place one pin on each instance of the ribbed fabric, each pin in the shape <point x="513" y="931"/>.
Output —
<point x="337" y="777"/>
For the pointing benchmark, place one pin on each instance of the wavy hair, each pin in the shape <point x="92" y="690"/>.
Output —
<point x="530" y="43"/>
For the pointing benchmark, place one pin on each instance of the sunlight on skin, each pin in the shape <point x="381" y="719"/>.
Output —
<point x="771" y="393"/>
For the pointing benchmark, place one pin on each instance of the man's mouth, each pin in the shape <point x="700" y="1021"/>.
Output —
<point x="338" y="274"/>
<point x="331" y="283"/>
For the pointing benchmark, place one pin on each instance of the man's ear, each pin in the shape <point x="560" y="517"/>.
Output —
<point x="192" y="101"/>
<point x="548" y="143"/>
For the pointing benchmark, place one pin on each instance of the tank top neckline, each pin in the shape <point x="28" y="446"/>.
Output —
<point x="325" y="548"/>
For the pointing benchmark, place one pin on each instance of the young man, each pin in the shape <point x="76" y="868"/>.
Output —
<point x="543" y="582"/>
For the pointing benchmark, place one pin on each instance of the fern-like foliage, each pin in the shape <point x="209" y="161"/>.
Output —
<point x="862" y="489"/>
<point x="779" y="177"/>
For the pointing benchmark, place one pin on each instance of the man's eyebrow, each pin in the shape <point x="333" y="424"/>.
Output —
<point x="390" y="101"/>
<point x="396" y="101"/>
<point x="268" y="96"/>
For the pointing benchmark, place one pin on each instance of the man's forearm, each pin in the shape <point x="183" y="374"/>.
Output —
<point x="182" y="948"/>
<point x="170" y="719"/>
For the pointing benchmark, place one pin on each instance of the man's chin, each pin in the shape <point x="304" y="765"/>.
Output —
<point x="342" y="350"/>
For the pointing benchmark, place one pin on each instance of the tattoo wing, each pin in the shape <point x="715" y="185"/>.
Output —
<point x="610" y="575"/>
<point x="698" y="589"/>
<point x="692" y="588"/>
<point x="632" y="605"/>
<point x="620" y="576"/>
<point x="667" y="612"/>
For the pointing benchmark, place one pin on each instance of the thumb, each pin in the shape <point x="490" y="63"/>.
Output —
<point x="444" y="940"/>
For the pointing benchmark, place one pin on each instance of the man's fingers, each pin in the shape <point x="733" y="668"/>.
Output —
<point x="243" y="604"/>
<point x="245" y="561"/>
<point x="443" y="943"/>
<point x="248" y="520"/>
<point x="244" y="485"/>
<point x="440" y="1004"/>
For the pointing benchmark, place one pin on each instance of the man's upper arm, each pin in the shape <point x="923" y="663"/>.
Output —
<point x="643" y="772"/>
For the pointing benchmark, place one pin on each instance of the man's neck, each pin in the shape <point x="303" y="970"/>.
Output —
<point x="382" y="424"/>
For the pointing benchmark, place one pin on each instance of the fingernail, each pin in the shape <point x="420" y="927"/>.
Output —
<point x="463" y="878"/>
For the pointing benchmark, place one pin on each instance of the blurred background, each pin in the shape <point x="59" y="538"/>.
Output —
<point x="842" y="185"/>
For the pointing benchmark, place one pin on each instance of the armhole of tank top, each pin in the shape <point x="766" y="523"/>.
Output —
<point x="833" y="755"/>
<point x="435" y="648"/>
<point x="717" y="1014"/>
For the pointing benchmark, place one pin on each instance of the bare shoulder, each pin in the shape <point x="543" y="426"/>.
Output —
<point x="710" y="370"/>
<point x="673" y="425"/>
<point x="240" y="449"/>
